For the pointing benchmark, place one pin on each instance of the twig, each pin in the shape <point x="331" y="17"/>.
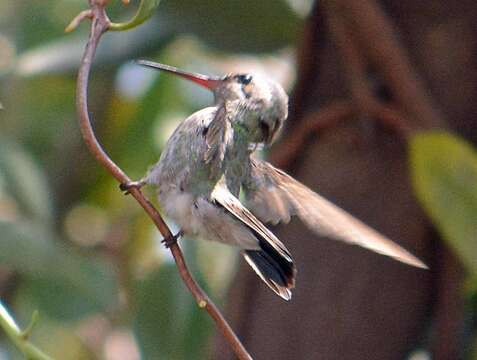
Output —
<point x="308" y="60"/>
<point x="352" y="61"/>
<point x="376" y="36"/>
<point x="393" y="118"/>
<point x="292" y="146"/>
<point x="19" y="337"/>
<point x="100" y="24"/>
<point x="289" y="149"/>
<point x="354" y="64"/>
<point x="363" y="100"/>
<point x="86" y="14"/>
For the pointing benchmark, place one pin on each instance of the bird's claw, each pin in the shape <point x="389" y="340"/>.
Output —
<point x="127" y="186"/>
<point x="169" y="241"/>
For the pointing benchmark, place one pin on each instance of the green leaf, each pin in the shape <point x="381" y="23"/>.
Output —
<point x="67" y="299"/>
<point x="63" y="55"/>
<point x="26" y="247"/>
<point x="145" y="11"/>
<point x="444" y="176"/>
<point x="61" y="282"/>
<point x="235" y="25"/>
<point x="25" y="181"/>
<point x="168" y="323"/>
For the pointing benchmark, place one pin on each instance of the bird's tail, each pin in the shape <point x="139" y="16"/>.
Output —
<point x="273" y="268"/>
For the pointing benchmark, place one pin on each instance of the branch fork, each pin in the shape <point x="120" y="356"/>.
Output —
<point x="21" y="337"/>
<point x="363" y="36"/>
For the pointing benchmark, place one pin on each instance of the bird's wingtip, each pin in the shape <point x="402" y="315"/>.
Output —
<point x="422" y="265"/>
<point x="414" y="261"/>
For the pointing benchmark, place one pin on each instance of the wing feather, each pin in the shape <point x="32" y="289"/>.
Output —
<point x="217" y="137"/>
<point x="267" y="184"/>
<point x="272" y="261"/>
<point x="224" y="197"/>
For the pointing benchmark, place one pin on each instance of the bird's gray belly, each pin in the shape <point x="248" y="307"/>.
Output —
<point x="199" y="218"/>
<point x="179" y="206"/>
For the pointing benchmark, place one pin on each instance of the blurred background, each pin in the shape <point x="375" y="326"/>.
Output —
<point x="73" y="247"/>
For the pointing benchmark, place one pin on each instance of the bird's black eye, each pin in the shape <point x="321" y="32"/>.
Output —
<point x="244" y="79"/>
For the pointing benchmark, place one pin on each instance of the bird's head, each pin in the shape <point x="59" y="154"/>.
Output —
<point x="259" y="105"/>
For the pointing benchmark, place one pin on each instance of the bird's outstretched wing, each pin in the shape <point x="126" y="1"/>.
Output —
<point x="273" y="196"/>
<point x="271" y="260"/>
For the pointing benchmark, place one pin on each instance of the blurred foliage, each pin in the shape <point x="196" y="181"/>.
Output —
<point x="182" y="331"/>
<point x="20" y="337"/>
<point x="444" y="178"/>
<point x="245" y="26"/>
<point x="23" y="180"/>
<point x="145" y="11"/>
<point x="444" y="174"/>
<point x="235" y="25"/>
<point x="71" y="245"/>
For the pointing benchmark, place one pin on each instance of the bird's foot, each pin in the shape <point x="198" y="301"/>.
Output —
<point x="168" y="242"/>
<point x="127" y="186"/>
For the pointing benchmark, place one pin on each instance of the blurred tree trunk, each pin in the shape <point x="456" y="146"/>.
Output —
<point x="350" y="303"/>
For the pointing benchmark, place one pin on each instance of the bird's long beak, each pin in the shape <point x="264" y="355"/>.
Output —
<point x="208" y="82"/>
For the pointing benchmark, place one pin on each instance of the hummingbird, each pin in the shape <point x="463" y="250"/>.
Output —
<point x="209" y="160"/>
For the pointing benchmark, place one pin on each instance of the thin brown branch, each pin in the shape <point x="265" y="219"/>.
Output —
<point x="86" y="14"/>
<point x="308" y="60"/>
<point x="392" y="118"/>
<point x="354" y="64"/>
<point x="375" y="35"/>
<point x="99" y="26"/>
<point x="363" y="34"/>
<point x="290" y="148"/>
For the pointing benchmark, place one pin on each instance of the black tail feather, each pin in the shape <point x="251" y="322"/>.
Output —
<point x="276" y="271"/>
